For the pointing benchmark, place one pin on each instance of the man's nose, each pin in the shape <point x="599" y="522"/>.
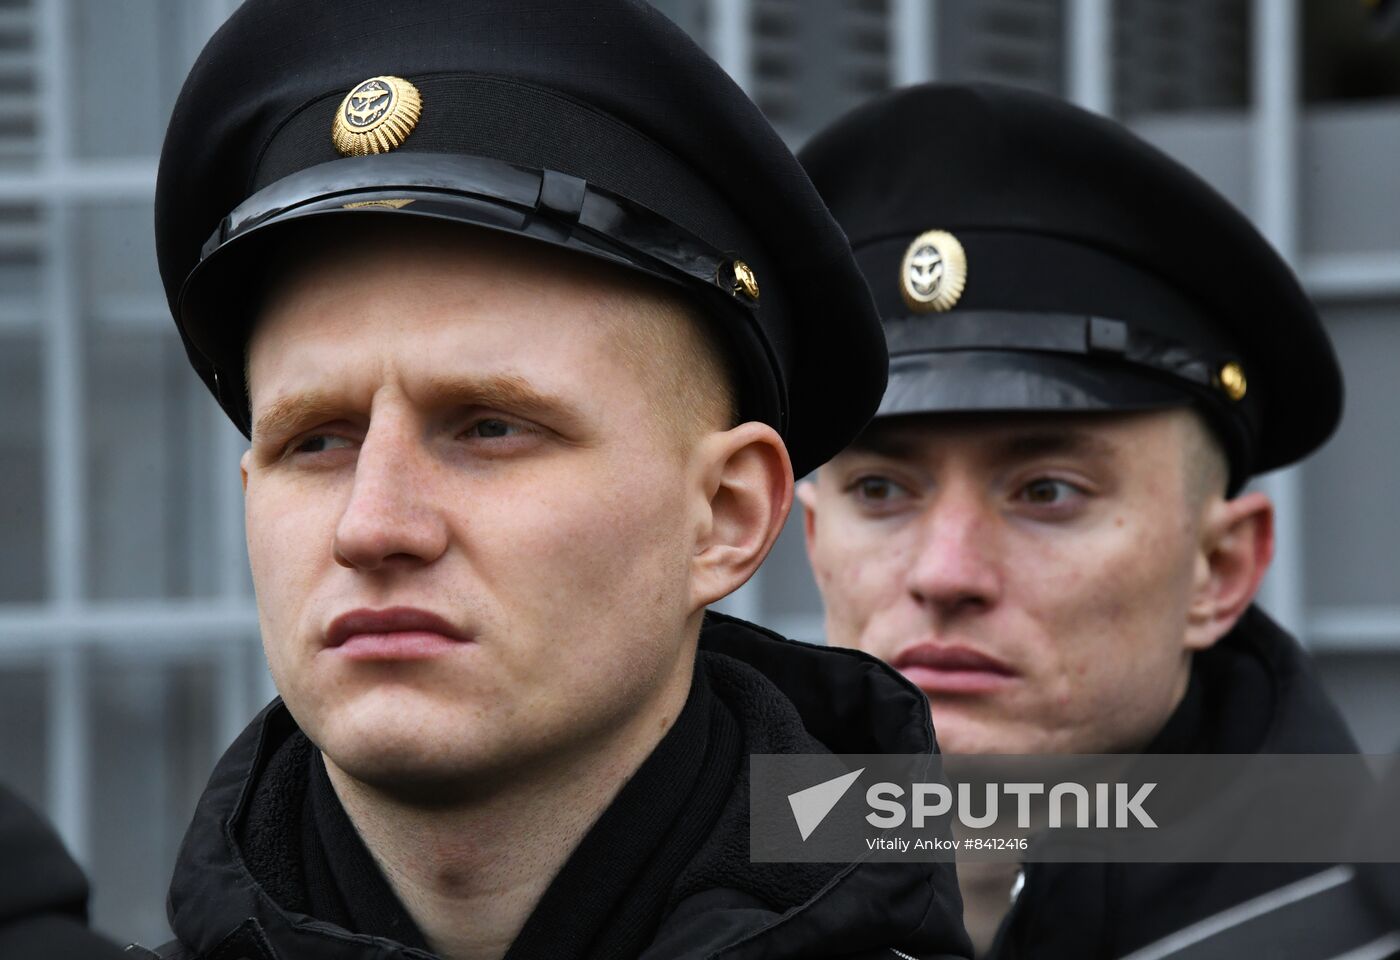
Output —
<point x="392" y="515"/>
<point x="955" y="568"/>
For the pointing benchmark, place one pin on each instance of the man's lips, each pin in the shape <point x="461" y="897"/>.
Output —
<point x="396" y="633"/>
<point x="948" y="668"/>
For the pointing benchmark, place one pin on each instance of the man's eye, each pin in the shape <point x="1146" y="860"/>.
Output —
<point x="492" y="427"/>
<point x="1049" y="492"/>
<point x="320" y="443"/>
<point x="877" y="490"/>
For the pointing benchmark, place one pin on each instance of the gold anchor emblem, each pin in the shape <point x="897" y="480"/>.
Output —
<point x="368" y="103"/>
<point x="925" y="270"/>
<point x="933" y="273"/>
<point x="376" y="116"/>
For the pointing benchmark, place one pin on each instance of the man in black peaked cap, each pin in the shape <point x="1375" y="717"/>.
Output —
<point x="1091" y="352"/>
<point x="529" y="316"/>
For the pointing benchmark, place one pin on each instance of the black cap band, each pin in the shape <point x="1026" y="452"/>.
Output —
<point x="1054" y="333"/>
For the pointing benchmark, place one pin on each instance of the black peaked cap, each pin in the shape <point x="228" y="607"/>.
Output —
<point x="597" y="125"/>
<point x="1100" y="274"/>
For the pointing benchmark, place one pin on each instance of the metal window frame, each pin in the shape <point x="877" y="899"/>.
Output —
<point x="1275" y="168"/>
<point x="62" y="632"/>
<point x="64" y="506"/>
<point x="913" y="44"/>
<point x="1089" y="54"/>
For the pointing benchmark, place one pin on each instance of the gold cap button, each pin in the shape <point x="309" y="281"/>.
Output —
<point x="744" y="280"/>
<point x="1232" y="381"/>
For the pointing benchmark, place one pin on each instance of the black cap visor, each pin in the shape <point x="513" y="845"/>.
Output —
<point x="1024" y="381"/>
<point x="1004" y="381"/>
<point x="215" y="312"/>
<point x="1007" y="360"/>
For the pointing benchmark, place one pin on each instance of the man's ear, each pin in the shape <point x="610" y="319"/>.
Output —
<point x="746" y="484"/>
<point x="1236" y="545"/>
<point x="243" y="467"/>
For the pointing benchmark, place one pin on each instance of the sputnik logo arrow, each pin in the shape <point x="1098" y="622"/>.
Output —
<point x="810" y="806"/>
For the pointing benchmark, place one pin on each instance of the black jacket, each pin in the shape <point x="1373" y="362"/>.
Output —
<point x="43" y="894"/>
<point x="786" y="697"/>
<point x="1254" y="692"/>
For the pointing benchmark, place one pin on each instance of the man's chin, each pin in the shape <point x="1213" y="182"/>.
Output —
<point x="959" y="734"/>
<point x="405" y="746"/>
<point x="407" y="771"/>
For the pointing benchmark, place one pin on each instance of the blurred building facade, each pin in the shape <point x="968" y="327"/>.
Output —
<point x="129" y="655"/>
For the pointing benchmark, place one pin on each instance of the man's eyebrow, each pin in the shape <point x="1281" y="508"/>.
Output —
<point x="289" y="412"/>
<point x="1044" y="442"/>
<point x="891" y="444"/>
<point x="902" y="443"/>
<point x="507" y="392"/>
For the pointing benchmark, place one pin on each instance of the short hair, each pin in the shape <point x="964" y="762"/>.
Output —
<point x="1207" y="467"/>
<point x="678" y="351"/>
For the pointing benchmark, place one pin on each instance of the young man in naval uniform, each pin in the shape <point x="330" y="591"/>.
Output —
<point x="1045" y="527"/>
<point x="529" y="317"/>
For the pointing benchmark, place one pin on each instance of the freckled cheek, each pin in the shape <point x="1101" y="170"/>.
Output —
<point x="863" y="586"/>
<point x="594" y="540"/>
<point x="1102" y="625"/>
<point x="1071" y="611"/>
<point x="289" y="549"/>
<point x="286" y="528"/>
<point x="1152" y="572"/>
